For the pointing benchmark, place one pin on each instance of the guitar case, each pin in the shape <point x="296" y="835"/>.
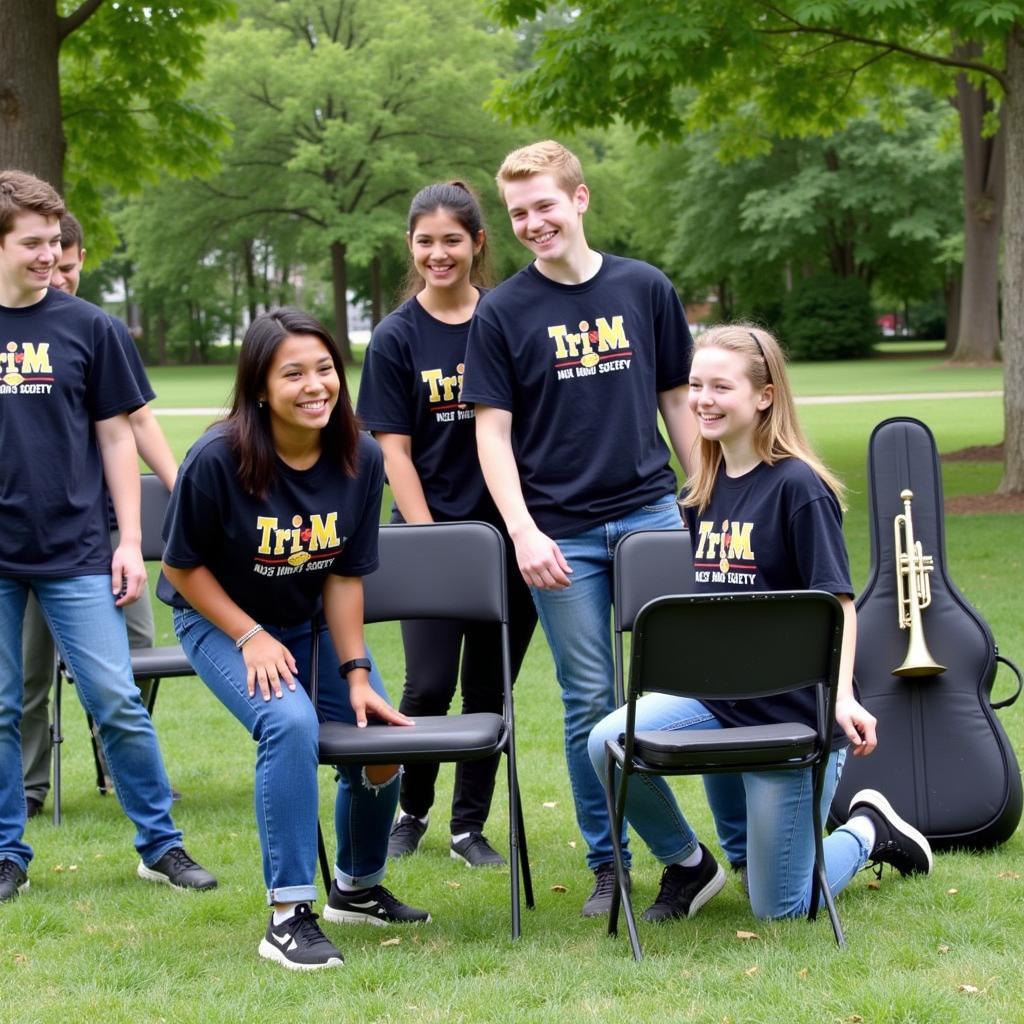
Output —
<point x="943" y="760"/>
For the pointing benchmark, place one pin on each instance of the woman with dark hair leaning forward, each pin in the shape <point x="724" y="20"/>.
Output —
<point x="409" y="398"/>
<point x="273" y="519"/>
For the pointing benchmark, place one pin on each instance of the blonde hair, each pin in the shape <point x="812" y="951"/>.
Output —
<point x="547" y="157"/>
<point x="777" y="434"/>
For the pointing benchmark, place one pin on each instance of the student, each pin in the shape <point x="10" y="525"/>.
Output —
<point x="409" y="398"/>
<point x="65" y="395"/>
<point x="37" y="644"/>
<point x="273" y="519"/>
<point x="754" y="468"/>
<point x="568" y="363"/>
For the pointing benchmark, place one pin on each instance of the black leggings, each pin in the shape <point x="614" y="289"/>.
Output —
<point x="432" y="651"/>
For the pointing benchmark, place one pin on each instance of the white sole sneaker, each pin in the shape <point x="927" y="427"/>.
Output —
<point x="271" y="952"/>
<point x="712" y="889"/>
<point x="875" y="800"/>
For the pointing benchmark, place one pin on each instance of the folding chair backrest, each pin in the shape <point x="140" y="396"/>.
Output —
<point x="438" y="571"/>
<point x="650" y="564"/>
<point x="733" y="646"/>
<point x="154" y="505"/>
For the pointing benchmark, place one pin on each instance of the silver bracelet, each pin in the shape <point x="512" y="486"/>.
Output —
<point x="248" y="635"/>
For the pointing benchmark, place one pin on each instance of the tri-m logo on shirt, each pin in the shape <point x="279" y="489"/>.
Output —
<point x="25" y="368"/>
<point x="443" y="393"/>
<point x="601" y="347"/>
<point x="725" y="554"/>
<point x="301" y="545"/>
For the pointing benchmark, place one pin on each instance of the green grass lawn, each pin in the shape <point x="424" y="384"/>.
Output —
<point x="89" y="941"/>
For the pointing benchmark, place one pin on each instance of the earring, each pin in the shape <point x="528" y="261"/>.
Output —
<point x="260" y="403"/>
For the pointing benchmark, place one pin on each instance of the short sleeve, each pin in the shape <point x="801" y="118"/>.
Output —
<point x="135" y="364"/>
<point x="672" y="341"/>
<point x="488" y="377"/>
<point x="359" y="557"/>
<point x="111" y="388"/>
<point x="187" y="529"/>
<point x="384" y="391"/>
<point x="816" y="539"/>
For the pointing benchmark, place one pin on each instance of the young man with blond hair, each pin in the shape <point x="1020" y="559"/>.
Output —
<point x="65" y="395"/>
<point x="568" y="364"/>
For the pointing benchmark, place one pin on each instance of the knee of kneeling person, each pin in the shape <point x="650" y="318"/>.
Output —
<point x="380" y="774"/>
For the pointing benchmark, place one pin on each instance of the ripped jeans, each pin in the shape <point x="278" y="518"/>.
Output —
<point x="286" y="732"/>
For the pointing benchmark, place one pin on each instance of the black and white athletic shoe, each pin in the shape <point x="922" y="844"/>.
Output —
<point x="897" y="842"/>
<point x="475" y="851"/>
<point x="176" y="868"/>
<point x="298" y="944"/>
<point x="375" y="905"/>
<point x="685" y="890"/>
<point x="13" y="880"/>
<point x="405" y="836"/>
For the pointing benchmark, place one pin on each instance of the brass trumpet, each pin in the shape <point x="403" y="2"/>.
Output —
<point x="913" y="593"/>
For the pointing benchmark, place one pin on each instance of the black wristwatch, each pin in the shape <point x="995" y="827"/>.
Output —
<point x="348" y="666"/>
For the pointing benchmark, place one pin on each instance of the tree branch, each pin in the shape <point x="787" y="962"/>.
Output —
<point x="77" y="18"/>
<point x="885" y="44"/>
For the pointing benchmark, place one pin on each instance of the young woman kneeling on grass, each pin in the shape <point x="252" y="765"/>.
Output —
<point x="753" y="466"/>
<point x="274" y="519"/>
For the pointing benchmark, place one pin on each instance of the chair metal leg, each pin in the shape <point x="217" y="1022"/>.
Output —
<point x="820" y="882"/>
<point x="524" y="857"/>
<point x="616" y="814"/>
<point x="56" y="739"/>
<point x="152" y="696"/>
<point x="325" y="864"/>
<point x="97" y="757"/>
<point x="514" y="818"/>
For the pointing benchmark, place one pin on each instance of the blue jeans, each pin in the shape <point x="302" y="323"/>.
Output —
<point x="763" y="818"/>
<point x="90" y="632"/>
<point x="286" y="731"/>
<point x="577" y="623"/>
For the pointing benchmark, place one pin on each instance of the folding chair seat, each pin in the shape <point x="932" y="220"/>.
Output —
<point x="148" y="663"/>
<point x="687" y="645"/>
<point x="437" y="571"/>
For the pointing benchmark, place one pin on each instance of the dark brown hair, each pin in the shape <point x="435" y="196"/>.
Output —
<point x="460" y="201"/>
<point x="248" y="422"/>
<point x="71" y="232"/>
<point x="25" y="193"/>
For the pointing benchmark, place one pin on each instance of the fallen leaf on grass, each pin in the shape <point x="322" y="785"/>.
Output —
<point x="391" y="942"/>
<point x="550" y="803"/>
<point x="559" y="888"/>
<point x="20" y="958"/>
<point x="802" y="973"/>
<point x="72" y="867"/>
<point x="751" y="971"/>
<point x="874" y="884"/>
<point x="572" y="844"/>
<point x="1008" y="874"/>
<point x="747" y="935"/>
<point x="968" y="988"/>
<point x="454" y="885"/>
<point x="855" y="1018"/>
<point x="943" y="948"/>
<point x="58" y="868"/>
<point x="952" y="892"/>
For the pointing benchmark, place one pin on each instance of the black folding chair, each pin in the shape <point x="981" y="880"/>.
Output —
<point x="437" y="571"/>
<point x="647" y="564"/>
<point x="153" y="663"/>
<point x="733" y="647"/>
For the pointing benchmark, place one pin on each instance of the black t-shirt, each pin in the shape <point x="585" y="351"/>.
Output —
<point x="272" y="555"/>
<point x="775" y="528"/>
<point x="580" y="368"/>
<point x="411" y="383"/>
<point x="61" y="370"/>
<point x="131" y="353"/>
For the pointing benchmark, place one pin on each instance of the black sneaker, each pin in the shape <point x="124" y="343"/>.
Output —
<point x="32" y="806"/>
<point x="600" y="900"/>
<point x="375" y="905"/>
<point x="298" y="943"/>
<point x="685" y="890"/>
<point x="897" y="842"/>
<point x="13" y="880"/>
<point x="405" y="837"/>
<point x="177" y="868"/>
<point x="475" y="851"/>
<point x="740" y="868"/>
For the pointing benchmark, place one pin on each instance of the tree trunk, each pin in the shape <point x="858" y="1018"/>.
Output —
<point x="951" y="291"/>
<point x="339" y="285"/>
<point x="1013" y="268"/>
<point x="984" y="190"/>
<point x="31" y="132"/>
<point x="376" y="309"/>
<point x="161" y="338"/>
<point x="250" y="278"/>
